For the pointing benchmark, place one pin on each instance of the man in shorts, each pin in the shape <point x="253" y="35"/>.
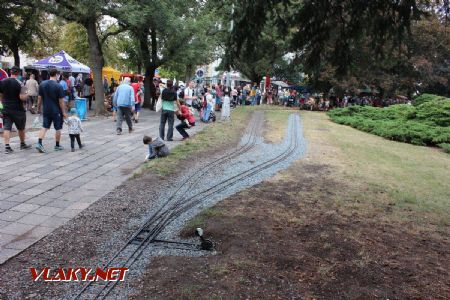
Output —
<point x="51" y="97"/>
<point x="13" y="95"/>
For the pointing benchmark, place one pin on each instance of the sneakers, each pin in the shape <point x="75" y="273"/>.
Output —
<point x="130" y="130"/>
<point x="136" y="121"/>
<point x="24" y="146"/>
<point x="119" y="131"/>
<point x="58" y="148"/>
<point x="72" y="150"/>
<point x="8" y="150"/>
<point x="40" y="148"/>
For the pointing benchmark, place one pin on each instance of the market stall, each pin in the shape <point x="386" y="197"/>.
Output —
<point x="110" y="72"/>
<point x="62" y="62"/>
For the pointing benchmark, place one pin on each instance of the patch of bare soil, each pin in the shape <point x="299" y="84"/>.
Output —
<point x="287" y="239"/>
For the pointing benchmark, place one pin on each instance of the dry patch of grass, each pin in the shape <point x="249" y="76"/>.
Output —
<point x="412" y="181"/>
<point x="276" y="124"/>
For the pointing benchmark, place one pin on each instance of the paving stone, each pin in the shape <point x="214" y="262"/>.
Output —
<point x="10" y="215"/>
<point x="19" y="198"/>
<point x="38" y="180"/>
<point x="68" y="177"/>
<point x="56" y="222"/>
<point x="4" y="223"/>
<point x="22" y="244"/>
<point x="21" y="178"/>
<point x="16" y="228"/>
<point x="39" y="200"/>
<point x="60" y="203"/>
<point x="40" y="231"/>
<point x="33" y="219"/>
<point x="47" y="210"/>
<point x="25" y="207"/>
<point x="33" y="174"/>
<point x="68" y="213"/>
<point x="13" y="190"/>
<point x="8" y="184"/>
<point x="6" y="204"/>
<point x="32" y="192"/>
<point x="6" y="254"/>
<point x="52" y="194"/>
<point x="79" y="205"/>
<point x="63" y="189"/>
<point x="6" y="238"/>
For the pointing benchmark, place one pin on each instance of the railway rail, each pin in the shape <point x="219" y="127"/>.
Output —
<point x="176" y="205"/>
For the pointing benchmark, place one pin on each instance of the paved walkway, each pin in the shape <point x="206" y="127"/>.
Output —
<point x="40" y="192"/>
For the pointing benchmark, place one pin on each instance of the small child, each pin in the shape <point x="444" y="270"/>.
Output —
<point x="74" y="125"/>
<point x="156" y="147"/>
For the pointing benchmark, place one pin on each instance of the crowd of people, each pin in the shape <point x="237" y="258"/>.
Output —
<point x="53" y="100"/>
<point x="318" y="102"/>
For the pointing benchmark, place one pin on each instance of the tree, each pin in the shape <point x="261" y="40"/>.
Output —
<point x="20" y="25"/>
<point x="326" y="30"/>
<point x="87" y="13"/>
<point x="165" y="31"/>
<point x="265" y="57"/>
<point x="420" y="63"/>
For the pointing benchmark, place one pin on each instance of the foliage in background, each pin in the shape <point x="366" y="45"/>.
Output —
<point x="21" y="24"/>
<point x="425" y="124"/>
<point x="167" y="32"/>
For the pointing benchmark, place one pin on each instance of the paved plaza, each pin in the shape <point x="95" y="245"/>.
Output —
<point x="40" y="192"/>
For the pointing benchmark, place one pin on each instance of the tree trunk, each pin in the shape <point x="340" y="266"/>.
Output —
<point x="15" y="51"/>
<point x="149" y="87"/>
<point x="187" y="74"/>
<point x="149" y="60"/>
<point x="97" y="61"/>
<point x="139" y="68"/>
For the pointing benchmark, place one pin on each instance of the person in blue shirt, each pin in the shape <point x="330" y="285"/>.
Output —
<point x="63" y="84"/>
<point x="51" y="98"/>
<point x="124" y="102"/>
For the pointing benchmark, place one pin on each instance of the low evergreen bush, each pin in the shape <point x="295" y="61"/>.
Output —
<point x="427" y="123"/>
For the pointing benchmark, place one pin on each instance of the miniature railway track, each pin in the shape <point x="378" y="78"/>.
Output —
<point x="154" y="225"/>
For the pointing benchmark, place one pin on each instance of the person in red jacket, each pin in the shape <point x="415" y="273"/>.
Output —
<point x="136" y="85"/>
<point x="187" y="119"/>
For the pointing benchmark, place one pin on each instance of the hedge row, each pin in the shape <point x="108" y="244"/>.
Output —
<point x="427" y="123"/>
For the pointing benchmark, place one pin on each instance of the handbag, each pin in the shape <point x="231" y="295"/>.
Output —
<point x="158" y="104"/>
<point x="37" y="123"/>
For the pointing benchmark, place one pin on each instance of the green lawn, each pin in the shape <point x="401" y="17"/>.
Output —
<point x="415" y="178"/>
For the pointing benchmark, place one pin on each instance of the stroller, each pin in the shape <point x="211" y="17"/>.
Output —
<point x="207" y="114"/>
<point x="291" y="101"/>
<point x="205" y="111"/>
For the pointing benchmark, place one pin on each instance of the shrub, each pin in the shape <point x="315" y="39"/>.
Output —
<point x="426" y="98"/>
<point x="445" y="146"/>
<point x="425" y="124"/>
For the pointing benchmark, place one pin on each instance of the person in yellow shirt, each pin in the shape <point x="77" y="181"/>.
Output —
<point x="253" y="94"/>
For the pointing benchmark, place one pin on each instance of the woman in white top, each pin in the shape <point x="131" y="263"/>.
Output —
<point x="226" y="105"/>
